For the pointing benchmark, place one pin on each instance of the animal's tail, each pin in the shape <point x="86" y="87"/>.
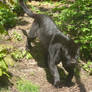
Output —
<point x="25" y="8"/>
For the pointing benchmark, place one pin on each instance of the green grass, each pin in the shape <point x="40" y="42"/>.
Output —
<point x="26" y="86"/>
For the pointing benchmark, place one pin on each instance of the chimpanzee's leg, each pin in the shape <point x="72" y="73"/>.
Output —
<point x="32" y="34"/>
<point x="70" y="70"/>
<point x="54" y="51"/>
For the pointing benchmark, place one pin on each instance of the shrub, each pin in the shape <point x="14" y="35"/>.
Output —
<point x="3" y="30"/>
<point x="76" y="20"/>
<point x="18" y="10"/>
<point x="7" y="17"/>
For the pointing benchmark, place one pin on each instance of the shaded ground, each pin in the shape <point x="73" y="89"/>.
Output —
<point x="35" y="70"/>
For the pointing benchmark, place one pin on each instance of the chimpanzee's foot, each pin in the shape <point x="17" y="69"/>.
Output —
<point x="58" y="84"/>
<point x="69" y="83"/>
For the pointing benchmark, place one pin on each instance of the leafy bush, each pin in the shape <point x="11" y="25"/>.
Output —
<point x="18" y="10"/>
<point x="2" y="30"/>
<point x="76" y="20"/>
<point x="7" y="17"/>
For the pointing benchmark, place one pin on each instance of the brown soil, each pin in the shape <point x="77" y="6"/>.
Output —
<point x="35" y="71"/>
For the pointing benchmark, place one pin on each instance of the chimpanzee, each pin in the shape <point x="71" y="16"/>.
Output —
<point x="59" y="47"/>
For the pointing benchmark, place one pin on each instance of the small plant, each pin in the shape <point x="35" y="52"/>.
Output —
<point x="17" y="36"/>
<point x="28" y="56"/>
<point x="18" y="55"/>
<point x="88" y="67"/>
<point x="26" y="86"/>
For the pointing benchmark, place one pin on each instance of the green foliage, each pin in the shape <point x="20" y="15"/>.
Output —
<point x="7" y="17"/>
<point x="17" y="36"/>
<point x="6" y="59"/>
<point x="26" y="86"/>
<point x="17" y="55"/>
<point x="3" y="64"/>
<point x="20" y="54"/>
<point x="2" y="30"/>
<point x="7" y="56"/>
<point x="88" y="67"/>
<point x="76" y="20"/>
<point x="14" y="5"/>
<point x="18" y="10"/>
<point x="28" y="56"/>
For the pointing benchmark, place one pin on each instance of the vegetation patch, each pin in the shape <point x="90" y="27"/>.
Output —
<point x="87" y="67"/>
<point x="26" y="86"/>
<point x="7" y="17"/>
<point x="20" y="54"/>
<point x="4" y="51"/>
<point x="17" y="36"/>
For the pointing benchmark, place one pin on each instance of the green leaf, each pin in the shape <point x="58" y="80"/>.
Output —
<point x="1" y="72"/>
<point x="24" y="52"/>
<point x="85" y="29"/>
<point x="28" y="56"/>
<point x="9" y="60"/>
<point x="4" y="72"/>
<point x="90" y="21"/>
<point x="2" y="29"/>
<point x="89" y="63"/>
<point x="3" y="64"/>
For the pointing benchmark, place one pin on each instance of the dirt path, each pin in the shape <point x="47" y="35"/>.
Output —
<point x="30" y="70"/>
<point x="35" y="70"/>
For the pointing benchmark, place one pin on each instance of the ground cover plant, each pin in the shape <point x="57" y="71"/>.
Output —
<point x="3" y="63"/>
<point x="26" y="86"/>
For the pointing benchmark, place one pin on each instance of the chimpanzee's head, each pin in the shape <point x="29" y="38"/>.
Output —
<point x="72" y="54"/>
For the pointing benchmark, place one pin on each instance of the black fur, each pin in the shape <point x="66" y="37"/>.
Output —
<point x="58" y="46"/>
